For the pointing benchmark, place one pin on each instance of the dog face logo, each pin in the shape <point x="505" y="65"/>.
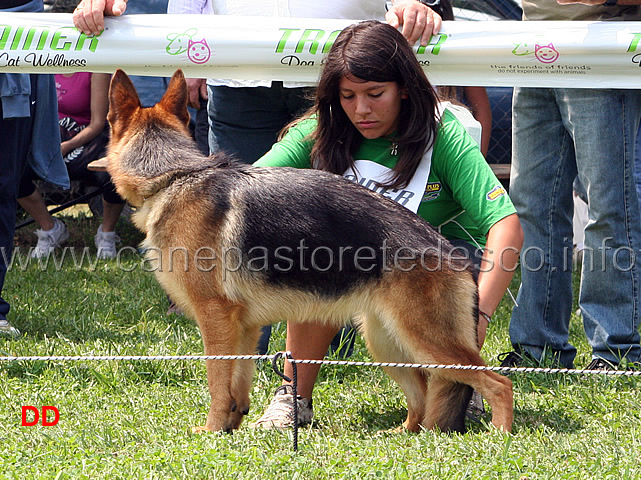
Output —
<point x="546" y="53"/>
<point x="521" y="49"/>
<point x="198" y="52"/>
<point x="179" y="42"/>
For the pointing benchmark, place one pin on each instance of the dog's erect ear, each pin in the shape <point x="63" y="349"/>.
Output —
<point x="123" y="101"/>
<point x="175" y="98"/>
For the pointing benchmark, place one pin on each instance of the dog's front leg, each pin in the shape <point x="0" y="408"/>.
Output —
<point x="220" y="330"/>
<point x="243" y="374"/>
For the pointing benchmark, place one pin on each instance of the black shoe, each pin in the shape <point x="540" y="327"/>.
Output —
<point x="633" y="366"/>
<point x="516" y="359"/>
<point x="600" y="364"/>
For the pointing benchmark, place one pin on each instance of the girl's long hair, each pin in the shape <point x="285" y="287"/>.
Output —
<point x="373" y="51"/>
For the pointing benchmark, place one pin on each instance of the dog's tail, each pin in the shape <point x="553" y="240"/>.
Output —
<point x="452" y="399"/>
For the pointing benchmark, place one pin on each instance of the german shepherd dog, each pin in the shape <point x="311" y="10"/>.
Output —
<point x="261" y="245"/>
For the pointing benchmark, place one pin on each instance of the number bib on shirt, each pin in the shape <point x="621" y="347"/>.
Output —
<point x="369" y="174"/>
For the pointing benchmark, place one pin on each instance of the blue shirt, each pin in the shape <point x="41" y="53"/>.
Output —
<point x="15" y="94"/>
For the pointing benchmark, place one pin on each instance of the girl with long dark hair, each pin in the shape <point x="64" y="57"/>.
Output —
<point x="377" y="121"/>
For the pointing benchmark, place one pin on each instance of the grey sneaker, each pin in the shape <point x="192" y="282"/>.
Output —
<point x="106" y="244"/>
<point x="476" y="407"/>
<point x="49" y="240"/>
<point x="280" y="413"/>
<point x="7" y="330"/>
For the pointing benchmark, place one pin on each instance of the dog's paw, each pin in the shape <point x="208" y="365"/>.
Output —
<point x="388" y="432"/>
<point x="399" y="429"/>
<point x="205" y="429"/>
<point x="236" y="419"/>
<point x="198" y="430"/>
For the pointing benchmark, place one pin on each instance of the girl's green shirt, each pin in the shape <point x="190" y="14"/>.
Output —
<point x="463" y="197"/>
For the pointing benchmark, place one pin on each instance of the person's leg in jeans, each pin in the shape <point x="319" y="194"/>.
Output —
<point x="15" y="138"/>
<point x="549" y="126"/>
<point x="245" y="122"/>
<point x="543" y="169"/>
<point x="637" y="163"/>
<point x="201" y="128"/>
<point x="610" y="278"/>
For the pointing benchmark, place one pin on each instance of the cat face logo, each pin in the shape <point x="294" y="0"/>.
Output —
<point x="546" y="53"/>
<point x="198" y="52"/>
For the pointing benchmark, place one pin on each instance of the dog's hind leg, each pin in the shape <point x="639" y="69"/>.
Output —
<point x="446" y="404"/>
<point x="495" y="388"/>
<point x="450" y="390"/>
<point x="220" y="328"/>
<point x="435" y="322"/>
<point x="413" y="382"/>
<point x="243" y="375"/>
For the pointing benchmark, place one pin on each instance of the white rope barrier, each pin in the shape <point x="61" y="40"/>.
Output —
<point x="83" y="358"/>
<point x="489" y="53"/>
<point x="89" y="358"/>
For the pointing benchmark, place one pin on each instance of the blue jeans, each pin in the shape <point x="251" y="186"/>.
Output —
<point x="637" y="163"/>
<point x="15" y="138"/>
<point x="559" y="133"/>
<point x="245" y="122"/>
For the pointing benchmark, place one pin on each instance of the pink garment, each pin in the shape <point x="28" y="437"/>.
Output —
<point x="74" y="96"/>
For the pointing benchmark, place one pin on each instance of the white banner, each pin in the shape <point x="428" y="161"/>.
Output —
<point x="534" y="54"/>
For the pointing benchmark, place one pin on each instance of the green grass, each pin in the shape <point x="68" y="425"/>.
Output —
<point x="129" y="419"/>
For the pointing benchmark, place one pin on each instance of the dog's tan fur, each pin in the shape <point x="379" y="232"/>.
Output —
<point x="187" y="202"/>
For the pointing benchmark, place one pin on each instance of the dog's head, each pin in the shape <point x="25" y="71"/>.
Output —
<point x="125" y="109"/>
<point x="146" y="144"/>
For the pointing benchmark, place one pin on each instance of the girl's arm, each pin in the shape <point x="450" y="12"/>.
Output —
<point x="293" y="150"/>
<point x="504" y="241"/>
<point x="99" y="108"/>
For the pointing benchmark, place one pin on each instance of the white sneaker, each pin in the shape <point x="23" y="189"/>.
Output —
<point x="280" y="413"/>
<point x="7" y="330"/>
<point x="49" y="240"/>
<point x="106" y="244"/>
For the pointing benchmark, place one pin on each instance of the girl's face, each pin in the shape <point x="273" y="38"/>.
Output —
<point x="372" y="107"/>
